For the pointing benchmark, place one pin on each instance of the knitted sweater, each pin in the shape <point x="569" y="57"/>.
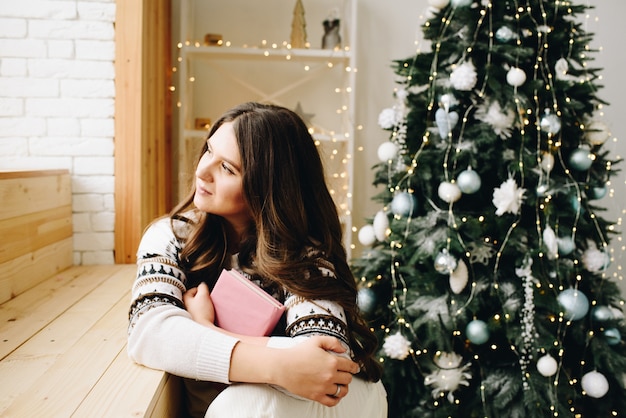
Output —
<point x="162" y="335"/>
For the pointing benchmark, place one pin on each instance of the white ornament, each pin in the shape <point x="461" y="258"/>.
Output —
<point x="515" y="77"/>
<point x="380" y="225"/>
<point x="446" y="121"/>
<point x="597" y="133"/>
<point x="367" y="236"/>
<point x="501" y="120"/>
<point x="396" y="346"/>
<point x="459" y="277"/>
<point x="547" y="366"/>
<point x="547" y="162"/>
<point x="595" y="384"/>
<point x="439" y="4"/>
<point x="561" y="67"/>
<point x="595" y="260"/>
<point x="508" y="197"/>
<point x="387" y="151"/>
<point x="388" y="118"/>
<point x="448" y="375"/>
<point x="464" y="76"/>
<point x="449" y="192"/>
<point x="445" y="263"/>
<point x="550" y="123"/>
<point x="549" y="239"/>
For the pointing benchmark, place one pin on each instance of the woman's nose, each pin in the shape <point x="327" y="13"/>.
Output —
<point x="204" y="169"/>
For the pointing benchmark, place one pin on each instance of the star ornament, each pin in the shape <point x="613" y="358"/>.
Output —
<point x="306" y="117"/>
<point x="508" y="197"/>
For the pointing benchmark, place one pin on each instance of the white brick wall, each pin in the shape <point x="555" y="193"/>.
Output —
<point x="57" y="99"/>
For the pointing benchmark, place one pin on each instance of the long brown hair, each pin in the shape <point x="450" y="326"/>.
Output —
<point x="295" y="226"/>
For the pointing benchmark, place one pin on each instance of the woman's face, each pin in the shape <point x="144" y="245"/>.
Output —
<point x="219" y="179"/>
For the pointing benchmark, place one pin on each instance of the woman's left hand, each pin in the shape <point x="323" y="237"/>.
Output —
<point x="199" y="305"/>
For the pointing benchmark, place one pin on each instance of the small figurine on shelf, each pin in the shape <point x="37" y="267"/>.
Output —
<point x="298" y="27"/>
<point x="331" y="38"/>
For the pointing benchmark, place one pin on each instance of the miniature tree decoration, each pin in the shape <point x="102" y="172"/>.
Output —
<point x="298" y="27"/>
<point x="485" y="269"/>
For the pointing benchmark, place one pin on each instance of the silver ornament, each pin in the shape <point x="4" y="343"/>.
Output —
<point x="550" y="123"/>
<point x="477" y="332"/>
<point x="366" y="300"/>
<point x="468" y="181"/>
<point x="445" y="263"/>
<point x="581" y="159"/>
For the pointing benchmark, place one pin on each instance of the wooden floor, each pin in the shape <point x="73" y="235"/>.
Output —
<point x="63" y="351"/>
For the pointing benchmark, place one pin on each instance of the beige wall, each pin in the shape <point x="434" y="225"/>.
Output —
<point x="387" y="30"/>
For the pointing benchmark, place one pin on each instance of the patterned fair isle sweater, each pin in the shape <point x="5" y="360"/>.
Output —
<point x="162" y="335"/>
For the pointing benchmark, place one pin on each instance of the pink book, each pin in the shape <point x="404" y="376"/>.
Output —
<point x="243" y="307"/>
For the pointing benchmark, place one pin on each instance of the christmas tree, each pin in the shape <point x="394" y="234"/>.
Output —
<point x="485" y="271"/>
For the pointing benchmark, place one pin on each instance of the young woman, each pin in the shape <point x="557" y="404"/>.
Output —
<point x="259" y="205"/>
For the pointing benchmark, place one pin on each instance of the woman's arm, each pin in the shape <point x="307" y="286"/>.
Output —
<point x="306" y="369"/>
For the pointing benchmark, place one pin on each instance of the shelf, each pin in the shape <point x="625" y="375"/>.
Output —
<point x="201" y="133"/>
<point x="226" y="52"/>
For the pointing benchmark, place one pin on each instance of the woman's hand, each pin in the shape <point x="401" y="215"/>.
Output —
<point x="311" y="371"/>
<point x="308" y="369"/>
<point x="199" y="305"/>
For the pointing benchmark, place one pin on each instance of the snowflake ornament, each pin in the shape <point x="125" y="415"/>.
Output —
<point x="500" y="121"/>
<point x="449" y="375"/>
<point x="508" y="197"/>
<point x="390" y="117"/>
<point x="595" y="260"/>
<point x="464" y="76"/>
<point x="396" y="346"/>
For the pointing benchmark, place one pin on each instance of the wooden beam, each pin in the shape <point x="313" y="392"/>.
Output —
<point x="142" y="120"/>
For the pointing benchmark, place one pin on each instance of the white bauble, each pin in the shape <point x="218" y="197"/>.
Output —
<point x="380" y="225"/>
<point x="439" y="4"/>
<point x="459" y="277"/>
<point x="595" y="384"/>
<point x="387" y="151"/>
<point x="449" y="192"/>
<point x="367" y="236"/>
<point x="515" y="77"/>
<point x="597" y="133"/>
<point x="547" y="365"/>
<point x="547" y="162"/>
<point x="550" y="123"/>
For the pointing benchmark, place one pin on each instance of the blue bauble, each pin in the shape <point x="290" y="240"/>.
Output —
<point x="468" y="181"/>
<point x="477" y="332"/>
<point x="597" y="192"/>
<point x="574" y="303"/>
<point x="612" y="336"/>
<point x="602" y="313"/>
<point x="580" y="159"/>
<point x="566" y="245"/>
<point x="366" y="300"/>
<point x="404" y="204"/>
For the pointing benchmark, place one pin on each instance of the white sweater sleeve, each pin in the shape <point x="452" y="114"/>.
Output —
<point x="161" y="333"/>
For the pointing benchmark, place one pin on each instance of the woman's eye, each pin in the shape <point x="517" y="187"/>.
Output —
<point x="228" y="169"/>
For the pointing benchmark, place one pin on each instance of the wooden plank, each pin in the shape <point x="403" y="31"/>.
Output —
<point x="142" y="120"/>
<point x="31" y="194"/>
<point x="32" y="231"/>
<point x="36" y="355"/>
<point x="63" y="386"/>
<point x="138" y="391"/>
<point x="14" y="174"/>
<point x="30" y="312"/>
<point x="28" y="270"/>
